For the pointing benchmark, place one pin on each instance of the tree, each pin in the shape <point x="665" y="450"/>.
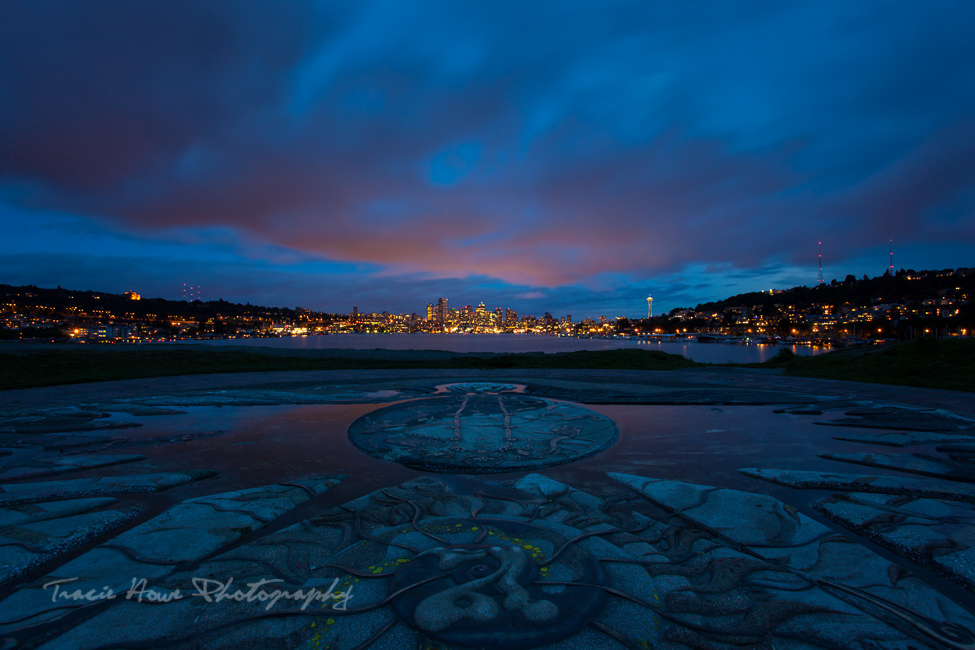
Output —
<point x="784" y="327"/>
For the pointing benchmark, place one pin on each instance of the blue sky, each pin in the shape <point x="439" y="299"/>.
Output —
<point x="563" y="157"/>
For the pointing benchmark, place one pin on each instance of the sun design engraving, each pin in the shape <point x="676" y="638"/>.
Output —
<point x="482" y="433"/>
<point x="538" y="564"/>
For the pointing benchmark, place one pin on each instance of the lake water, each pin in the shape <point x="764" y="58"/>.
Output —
<point x="702" y="352"/>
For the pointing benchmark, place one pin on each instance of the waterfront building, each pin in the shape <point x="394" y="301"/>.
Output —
<point x="443" y="311"/>
<point x="510" y="318"/>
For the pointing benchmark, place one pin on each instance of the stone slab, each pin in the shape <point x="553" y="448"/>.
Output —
<point x="18" y="515"/>
<point x="52" y="440"/>
<point x="962" y="453"/>
<point x="768" y="528"/>
<point x="905" y="438"/>
<point x="745" y="518"/>
<point x="37" y="467"/>
<point x="937" y="534"/>
<point x="905" y="463"/>
<point x="21" y="493"/>
<point x="132" y="409"/>
<point x="903" y="419"/>
<point x="865" y="483"/>
<point x="712" y="396"/>
<point x="323" y="394"/>
<point x="186" y="533"/>
<point x="31" y="543"/>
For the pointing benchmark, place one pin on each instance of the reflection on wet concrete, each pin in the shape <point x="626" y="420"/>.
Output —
<point x="680" y="546"/>
<point x="251" y="446"/>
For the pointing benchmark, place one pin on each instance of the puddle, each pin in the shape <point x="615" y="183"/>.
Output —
<point x="251" y="446"/>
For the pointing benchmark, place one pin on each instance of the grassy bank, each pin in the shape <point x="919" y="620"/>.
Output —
<point x="53" y="367"/>
<point x="947" y="364"/>
<point x="925" y="363"/>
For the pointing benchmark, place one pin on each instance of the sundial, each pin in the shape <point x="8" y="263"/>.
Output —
<point x="482" y="433"/>
<point x="480" y="387"/>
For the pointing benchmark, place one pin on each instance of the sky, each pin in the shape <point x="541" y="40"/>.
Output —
<point x="570" y="157"/>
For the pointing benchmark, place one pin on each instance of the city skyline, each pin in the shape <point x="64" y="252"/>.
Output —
<point x="551" y="158"/>
<point x="896" y="305"/>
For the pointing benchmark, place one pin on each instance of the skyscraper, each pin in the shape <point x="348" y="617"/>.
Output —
<point x="510" y="318"/>
<point x="443" y="311"/>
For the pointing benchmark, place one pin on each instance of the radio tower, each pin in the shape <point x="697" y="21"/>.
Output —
<point x="819" y="278"/>
<point x="891" y="269"/>
<point x="191" y="294"/>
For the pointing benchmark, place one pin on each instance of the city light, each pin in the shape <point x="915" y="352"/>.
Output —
<point x="823" y="316"/>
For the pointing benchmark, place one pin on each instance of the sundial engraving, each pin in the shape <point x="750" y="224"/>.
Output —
<point x="482" y="433"/>
<point x="480" y="387"/>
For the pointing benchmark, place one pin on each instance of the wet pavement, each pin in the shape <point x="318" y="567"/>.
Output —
<point x="708" y="508"/>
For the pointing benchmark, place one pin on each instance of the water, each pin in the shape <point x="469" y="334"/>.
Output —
<point x="252" y="446"/>
<point x="702" y="352"/>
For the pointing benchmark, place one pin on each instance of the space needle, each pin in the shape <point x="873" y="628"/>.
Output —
<point x="649" y="307"/>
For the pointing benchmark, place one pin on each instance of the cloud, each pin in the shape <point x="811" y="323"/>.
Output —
<point x="584" y="149"/>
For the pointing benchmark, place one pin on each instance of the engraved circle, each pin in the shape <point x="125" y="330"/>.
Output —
<point x="480" y="433"/>
<point x="480" y="387"/>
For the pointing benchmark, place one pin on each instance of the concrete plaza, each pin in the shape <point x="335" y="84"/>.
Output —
<point x="705" y="508"/>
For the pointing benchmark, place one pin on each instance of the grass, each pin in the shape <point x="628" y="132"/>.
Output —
<point x="925" y="363"/>
<point x="33" y="368"/>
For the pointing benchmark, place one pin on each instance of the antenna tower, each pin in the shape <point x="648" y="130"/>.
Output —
<point x="819" y="278"/>
<point x="190" y="293"/>
<point x="891" y="268"/>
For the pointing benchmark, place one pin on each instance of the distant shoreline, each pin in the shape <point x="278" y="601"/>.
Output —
<point x="469" y="343"/>
<point x="928" y="363"/>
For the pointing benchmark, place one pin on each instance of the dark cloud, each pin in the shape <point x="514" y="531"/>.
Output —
<point x="98" y="91"/>
<point x="576" y="146"/>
